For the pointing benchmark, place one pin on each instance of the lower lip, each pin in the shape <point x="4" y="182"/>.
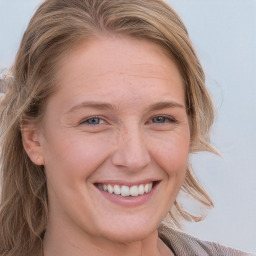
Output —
<point x="129" y="201"/>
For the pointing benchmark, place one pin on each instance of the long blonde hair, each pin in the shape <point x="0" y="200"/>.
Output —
<point x="54" y="29"/>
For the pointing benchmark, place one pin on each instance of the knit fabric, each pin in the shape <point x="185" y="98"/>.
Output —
<point x="183" y="244"/>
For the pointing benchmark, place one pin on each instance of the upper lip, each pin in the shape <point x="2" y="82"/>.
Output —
<point x="127" y="183"/>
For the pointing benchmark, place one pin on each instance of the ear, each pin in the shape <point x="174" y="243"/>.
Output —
<point x="31" y="140"/>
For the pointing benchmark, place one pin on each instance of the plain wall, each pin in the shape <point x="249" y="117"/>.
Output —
<point x="224" y="35"/>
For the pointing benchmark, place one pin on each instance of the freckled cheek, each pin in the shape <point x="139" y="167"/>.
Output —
<point x="172" y="155"/>
<point x="80" y="155"/>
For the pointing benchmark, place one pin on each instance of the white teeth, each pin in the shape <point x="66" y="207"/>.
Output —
<point x="134" y="191"/>
<point x="123" y="190"/>
<point x="141" y="189"/>
<point x="110" y="189"/>
<point x="117" y="190"/>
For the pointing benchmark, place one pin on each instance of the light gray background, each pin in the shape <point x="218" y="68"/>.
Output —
<point x="224" y="35"/>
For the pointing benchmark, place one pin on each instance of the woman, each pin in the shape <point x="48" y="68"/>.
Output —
<point x="106" y="102"/>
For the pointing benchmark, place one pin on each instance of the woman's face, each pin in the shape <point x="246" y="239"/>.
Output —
<point x="117" y="124"/>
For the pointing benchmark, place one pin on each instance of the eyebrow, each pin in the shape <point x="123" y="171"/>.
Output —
<point x="91" y="104"/>
<point x="108" y="106"/>
<point x="165" y="104"/>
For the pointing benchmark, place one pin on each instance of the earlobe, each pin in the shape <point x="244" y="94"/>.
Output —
<point x="31" y="142"/>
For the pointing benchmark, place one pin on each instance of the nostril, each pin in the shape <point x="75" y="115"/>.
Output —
<point x="131" y="158"/>
<point x="131" y="150"/>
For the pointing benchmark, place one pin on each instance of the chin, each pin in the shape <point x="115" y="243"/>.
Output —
<point x="130" y="237"/>
<point x="130" y="233"/>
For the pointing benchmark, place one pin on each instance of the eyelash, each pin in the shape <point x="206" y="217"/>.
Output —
<point x="85" y="121"/>
<point x="165" y="119"/>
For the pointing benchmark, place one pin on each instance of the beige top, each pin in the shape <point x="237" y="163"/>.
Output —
<point x="183" y="244"/>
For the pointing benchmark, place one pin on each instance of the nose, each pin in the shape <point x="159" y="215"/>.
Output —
<point x="132" y="152"/>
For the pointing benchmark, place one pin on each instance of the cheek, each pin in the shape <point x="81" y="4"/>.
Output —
<point x="171" y="154"/>
<point x="74" y="157"/>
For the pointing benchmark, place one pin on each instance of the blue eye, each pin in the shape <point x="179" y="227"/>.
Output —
<point x="93" y="121"/>
<point x="162" y="119"/>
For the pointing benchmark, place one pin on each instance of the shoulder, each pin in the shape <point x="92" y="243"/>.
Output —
<point x="184" y="244"/>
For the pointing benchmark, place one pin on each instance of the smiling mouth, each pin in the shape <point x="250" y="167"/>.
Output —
<point x="126" y="191"/>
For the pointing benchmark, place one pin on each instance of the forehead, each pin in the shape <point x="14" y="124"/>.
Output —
<point x="116" y="53"/>
<point x="113" y="66"/>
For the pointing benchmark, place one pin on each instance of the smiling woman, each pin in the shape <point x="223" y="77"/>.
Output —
<point x="106" y="103"/>
<point x="131" y="146"/>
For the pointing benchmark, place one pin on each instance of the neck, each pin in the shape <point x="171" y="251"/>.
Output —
<point x="66" y="243"/>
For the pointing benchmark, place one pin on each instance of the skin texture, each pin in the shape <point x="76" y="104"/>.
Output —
<point x="102" y="126"/>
